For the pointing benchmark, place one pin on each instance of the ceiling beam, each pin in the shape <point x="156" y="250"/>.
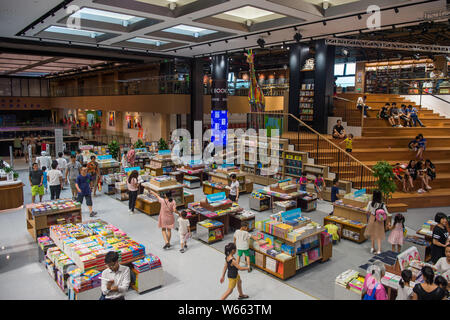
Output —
<point x="30" y="66"/>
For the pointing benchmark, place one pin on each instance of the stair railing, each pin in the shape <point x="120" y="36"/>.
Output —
<point x="325" y="152"/>
<point x="422" y="91"/>
<point x="347" y="109"/>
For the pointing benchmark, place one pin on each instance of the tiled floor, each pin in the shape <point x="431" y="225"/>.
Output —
<point x="194" y="274"/>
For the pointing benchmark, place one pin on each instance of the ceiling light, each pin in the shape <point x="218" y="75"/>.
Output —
<point x="248" y="23"/>
<point x="245" y="37"/>
<point x="295" y="28"/>
<point x="396" y="10"/>
<point x="261" y="42"/>
<point x="416" y="56"/>
<point x="248" y="12"/>
<point x="196" y="35"/>
<point x="359" y="17"/>
<point x="448" y="58"/>
<point x="298" y="36"/>
<point x="282" y="45"/>
<point x="158" y="43"/>
<point x="288" y="47"/>
<point x="172" y="6"/>
<point x="325" y="5"/>
<point x="268" y="33"/>
<point x="324" y="23"/>
<point x="345" y="52"/>
<point x="209" y="44"/>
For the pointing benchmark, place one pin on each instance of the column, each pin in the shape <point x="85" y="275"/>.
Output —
<point x="219" y="98"/>
<point x="196" y="89"/>
<point x="323" y="85"/>
<point x="297" y="56"/>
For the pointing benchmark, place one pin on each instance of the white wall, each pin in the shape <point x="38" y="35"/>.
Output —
<point x="433" y="103"/>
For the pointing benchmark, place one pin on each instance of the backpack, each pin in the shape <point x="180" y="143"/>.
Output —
<point x="380" y="215"/>
<point x="372" y="296"/>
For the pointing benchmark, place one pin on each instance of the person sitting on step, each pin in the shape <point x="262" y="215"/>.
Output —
<point x="339" y="131"/>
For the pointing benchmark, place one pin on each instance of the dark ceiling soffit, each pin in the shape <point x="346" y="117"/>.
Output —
<point x="77" y="51"/>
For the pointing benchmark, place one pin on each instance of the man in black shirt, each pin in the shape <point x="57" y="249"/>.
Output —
<point x="339" y="131"/>
<point x="36" y="182"/>
<point x="394" y="115"/>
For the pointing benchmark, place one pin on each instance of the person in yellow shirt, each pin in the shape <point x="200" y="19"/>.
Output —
<point x="348" y="144"/>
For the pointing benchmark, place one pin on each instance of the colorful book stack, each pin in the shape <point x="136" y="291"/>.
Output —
<point x="215" y="235"/>
<point x="149" y="262"/>
<point x="45" y="243"/>
<point x="356" y="285"/>
<point x="82" y="281"/>
<point x="345" y="277"/>
<point x="427" y="228"/>
<point x="51" y="206"/>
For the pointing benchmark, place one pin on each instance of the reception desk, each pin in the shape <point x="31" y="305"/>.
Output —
<point x="11" y="194"/>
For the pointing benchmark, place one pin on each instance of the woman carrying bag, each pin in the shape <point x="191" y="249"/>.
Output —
<point x="166" y="220"/>
<point x="377" y="217"/>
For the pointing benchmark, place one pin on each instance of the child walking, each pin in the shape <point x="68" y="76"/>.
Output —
<point x="233" y="276"/>
<point x="334" y="193"/>
<point x="397" y="233"/>
<point x="44" y="170"/>
<point x="348" y="144"/>
<point x="405" y="291"/>
<point x="184" y="230"/>
<point x="303" y="181"/>
<point x="318" y="185"/>
<point x="241" y="238"/>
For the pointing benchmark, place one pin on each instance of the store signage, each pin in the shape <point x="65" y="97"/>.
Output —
<point x="291" y="214"/>
<point x="132" y="169"/>
<point x="219" y="94"/>
<point x="359" y="193"/>
<point x="105" y="157"/>
<point x="164" y="152"/>
<point x="216" y="197"/>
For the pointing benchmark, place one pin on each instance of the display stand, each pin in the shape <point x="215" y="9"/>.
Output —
<point x="147" y="205"/>
<point x="237" y="220"/>
<point x="160" y="165"/>
<point x="258" y="202"/>
<point x="175" y="190"/>
<point x="142" y="157"/>
<point x="148" y="280"/>
<point x="39" y="224"/>
<point x="188" y="198"/>
<point x="211" y="188"/>
<point x="191" y="182"/>
<point x="245" y="185"/>
<point x="121" y="191"/>
<point x="347" y="229"/>
<point x="92" y="294"/>
<point x="177" y="175"/>
<point x="11" y="194"/>
<point x="287" y="243"/>
<point x="210" y="231"/>
<point x="195" y="170"/>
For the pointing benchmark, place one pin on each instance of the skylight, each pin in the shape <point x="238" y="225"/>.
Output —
<point x="189" y="30"/>
<point x="249" y="12"/>
<point x="74" y="32"/>
<point x="151" y="42"/>
<point x="106" y="16"/>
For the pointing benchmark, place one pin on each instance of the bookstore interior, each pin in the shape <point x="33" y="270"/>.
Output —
<point x="204" y="137"/>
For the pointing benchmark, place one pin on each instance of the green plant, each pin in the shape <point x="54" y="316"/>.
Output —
<point x="139" y="144"/>
<point x="162" y="144"/>
<point x="385" y="179"/>
<point x="16" y="175"/>
<point x="114" y="148"/>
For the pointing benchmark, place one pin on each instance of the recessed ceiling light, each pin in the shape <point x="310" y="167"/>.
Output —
<point x="152" y="42"/>
<point x="248" y="12"/>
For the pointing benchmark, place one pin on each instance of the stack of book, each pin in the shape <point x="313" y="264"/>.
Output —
<point x="149" y="262"/>
<point x="346" y="277"/>
<point x="52" y="206"/>
<point x="45" y="243"/>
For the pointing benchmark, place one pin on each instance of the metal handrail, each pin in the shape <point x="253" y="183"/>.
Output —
<point x="315" y="132"/>
<point x="422" y="91"/>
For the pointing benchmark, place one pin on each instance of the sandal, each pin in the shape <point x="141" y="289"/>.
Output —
<point x="243" y="297"/>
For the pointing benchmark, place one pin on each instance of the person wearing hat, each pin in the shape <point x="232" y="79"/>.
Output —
<point x="44" y="160"/>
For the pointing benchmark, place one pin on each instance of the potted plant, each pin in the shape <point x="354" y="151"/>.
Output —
<point x="162" y="144"/>
<point x="114" y="148"/>
<point x="385" y="179"/>
<point x="139" y="144"/>
<point x="16" y="175"/>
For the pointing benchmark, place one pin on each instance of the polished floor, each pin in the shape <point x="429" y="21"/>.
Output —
<point x="192" y="275"/>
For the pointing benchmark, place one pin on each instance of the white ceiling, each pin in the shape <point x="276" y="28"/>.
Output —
<point x="16" y="15"/>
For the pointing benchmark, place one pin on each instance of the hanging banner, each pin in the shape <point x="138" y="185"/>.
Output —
<point x="59" y="147"/>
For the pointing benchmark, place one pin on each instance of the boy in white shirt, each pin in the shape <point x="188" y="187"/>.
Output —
<point x="184" y="230"/>
<point x="241" y="238"/>
<point x="234" y="189"/>
<point x="62" y="165"/>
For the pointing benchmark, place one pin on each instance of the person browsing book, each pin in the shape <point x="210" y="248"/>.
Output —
<point x="428" y="290"/>
<point x="404" y="291"/>
<point x="234" y="189"/>
<point x="440" y="237"/>
<point x="115" y="279"/>
<point x="303" y="181"/>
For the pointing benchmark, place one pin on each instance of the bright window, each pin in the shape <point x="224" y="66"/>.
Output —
<point x="345" y="81"/>
<point x="350" y="68"/>
<point x="339" y="69"/>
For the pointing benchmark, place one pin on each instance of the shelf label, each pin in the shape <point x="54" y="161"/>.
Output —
<point x="105" y="157"/>
<point x="216" y="197"/>
<point x="359" y="193"/>
<point x="291" y="214"/>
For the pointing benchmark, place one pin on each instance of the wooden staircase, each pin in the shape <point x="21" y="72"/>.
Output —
<point x="379" y="141"/>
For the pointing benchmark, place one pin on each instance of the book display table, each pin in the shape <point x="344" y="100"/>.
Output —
<point x="288" y="242"/>
<point x="148" y="204"/>
<point x="295" y="196"/>
<point x="211" y="188"/>
<point x="191" y="182"/>
<point x="258" y="201"/>
<point x="210" y="231"/>
<point x="218" y="177"/>
<point x="107" y="165"/>
<point x="196" y="171"/>
<point x="146" y="274"/>
<point x="40" y="216"/>
<point x="281" y="206"/>
<point x="237" y="219"/>
<point x="177" y="175"/>
<point x="192" y="217"/>
<point x="11" y="194"/>
<point x="160" y="165"/>
<point x="166" y="185"/>
<point x="143" y="157"/>
<point x="121" y="191"/>
<point x="347" y="229"/>
<point x="216" y="207"/>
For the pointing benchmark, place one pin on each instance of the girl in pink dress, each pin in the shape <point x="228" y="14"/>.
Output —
<point x="397" y="232"/>
<point x="372" y="287"/>
<point x="166" y="219"/>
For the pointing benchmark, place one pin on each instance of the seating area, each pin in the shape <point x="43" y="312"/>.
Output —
<point x="380" y="141"/>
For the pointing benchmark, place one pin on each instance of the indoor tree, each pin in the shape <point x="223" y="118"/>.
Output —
<point x="114" y="148"/>
<point x="385" y="179"/>
<point x="162" y="144"/>
<point x="139" y="144"/>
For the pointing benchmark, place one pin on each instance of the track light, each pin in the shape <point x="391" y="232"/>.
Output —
<point x="209" y="44"/>
<point x="190" y="48"/>
<point x="268" y="33"/>
<point x="416" y="56"/>
<point x="360" y="31"/>
<point x="345" y="52"/>
<point x="226" y="41"/>
<point x="359" y="17"/>
<point x="298" y="36"/>
<point x="282" y="45"/>
<point x="396" y="10"/>
<point x="324" y="23"/>
<point x="245" y="37"/>
<point x="295" y="29"/>
<point x="261" y="42"/>
<point x="393" y="27"/>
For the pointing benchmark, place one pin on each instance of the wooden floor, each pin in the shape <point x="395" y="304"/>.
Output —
<point x="381" y="142"/>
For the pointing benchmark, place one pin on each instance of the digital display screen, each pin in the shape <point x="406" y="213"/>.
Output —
<point x="219" y="126"/>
